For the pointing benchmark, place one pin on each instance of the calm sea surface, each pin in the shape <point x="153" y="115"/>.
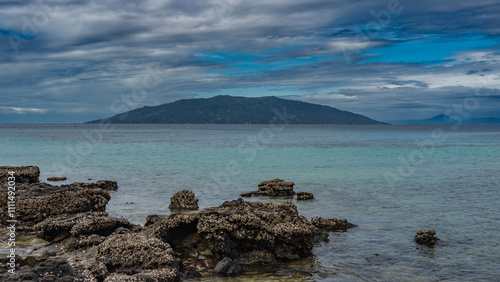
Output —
<point x="389" y="180"/>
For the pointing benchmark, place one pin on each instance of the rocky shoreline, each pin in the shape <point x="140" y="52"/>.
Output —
<point x="84" y="243"/>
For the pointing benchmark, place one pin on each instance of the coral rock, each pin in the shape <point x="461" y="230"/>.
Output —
<point x="305" y="196"/>
<point x="134" y="254"/>
<point x="249" y="232"/>
<point x="23" y="174"/>
<point x="331" y="224"/>
<point x="183" y="200"/>
<point x="56" y="178"/>
<point x="426" y="237"/>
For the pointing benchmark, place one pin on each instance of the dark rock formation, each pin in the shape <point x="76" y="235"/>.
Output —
<point x="275" y="187"/>
<point x="151" y="219"/>
<point x="37" y="269"/>
<point x="305" y="196"/>
<point x="227" y="267"/>
<point x="331" y="224"/>
<point x="183" y="200"/>
<point x="31" y="209"/>
<point x="426" y="237"/>
<point x="56" y="178"/>
<point x="23" y="174"/>
<point x="98" y="223"/>
<point x="134" y="254"/>
<point x="248" y="232"/>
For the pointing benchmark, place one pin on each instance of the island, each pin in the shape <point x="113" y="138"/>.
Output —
<point x="239" y="110"/>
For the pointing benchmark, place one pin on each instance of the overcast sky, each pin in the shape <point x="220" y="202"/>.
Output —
<point x="77" y="60"/>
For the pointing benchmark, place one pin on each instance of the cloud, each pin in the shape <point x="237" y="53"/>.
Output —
<point x="16" y="110"/>
<point x="79" y="57"/>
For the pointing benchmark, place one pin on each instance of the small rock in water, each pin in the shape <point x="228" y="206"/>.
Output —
<point x="275" y="187"/>
<point x="331" y="224"/>
<point x="183" y="200"/>
<point x="305" y="196"/>
<point x="56" y="178"/>
<point x="426" y="237"/>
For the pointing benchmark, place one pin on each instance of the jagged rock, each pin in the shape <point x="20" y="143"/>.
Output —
<point x="30" y="211"/>
<point x="90" y="268"/>
<point x="135" y="254"/>
<point x="151" y="219"/>
<point x="183" y="200"/>
<point x="107" y="185"/>
<point x="45" y="269"/>
<point x="250" y="232"/>
<point x="426" y="237"/>
<point x="99" y="223"/>
<point x="275" y="187"/>
<point x="56" y="178"/>
<point x="23" y="174"/>
<point x="331" y="224"/>
<point x="305" y="196"/>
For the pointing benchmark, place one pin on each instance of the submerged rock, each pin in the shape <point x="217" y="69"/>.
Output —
<point x="275" y="187"/>
<point x="426" y="237"/>
<point x="331" y="224"/>
<point x="249" y="232"/>
<point x="183" y="200"/>
<point x="56" y="178"/>
<point x="305" y="196"/>
<point x="227" y="267"/>
<point x="23" y="174"/>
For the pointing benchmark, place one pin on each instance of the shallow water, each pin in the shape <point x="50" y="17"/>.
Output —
<point x="389" y="180"/>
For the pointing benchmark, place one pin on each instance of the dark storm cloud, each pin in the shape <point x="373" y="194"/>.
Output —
<point x="65" y="58"/>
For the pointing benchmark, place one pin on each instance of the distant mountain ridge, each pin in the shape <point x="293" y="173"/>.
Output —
<point x="239" y="110"/>
<point x="446" y="120"/>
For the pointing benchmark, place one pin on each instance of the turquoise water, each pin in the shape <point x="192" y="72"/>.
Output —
<point x="389" y="180"/>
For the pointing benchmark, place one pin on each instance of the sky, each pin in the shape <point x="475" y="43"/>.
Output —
<point x="73" y="61"/>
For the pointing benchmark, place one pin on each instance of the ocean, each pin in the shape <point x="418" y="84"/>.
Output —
<point x="391" y="181"/>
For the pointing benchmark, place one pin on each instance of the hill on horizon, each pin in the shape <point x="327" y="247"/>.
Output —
<point x="443" y="119"/>
<point x="239" y="110"/>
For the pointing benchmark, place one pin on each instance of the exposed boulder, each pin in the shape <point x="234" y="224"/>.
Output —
<point x="249" y="232"/>
<point x="305" y="196"/>
<point x="56" y="178"/>
<point x="23" y="174"/>
<point x="426" y="237"/>
<point x="134" y="254"/>
<point x="183" y="200"/>
<point x="331" y="224"/>
<point x="227" y="267"/>
<point x="275" y="187"/>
